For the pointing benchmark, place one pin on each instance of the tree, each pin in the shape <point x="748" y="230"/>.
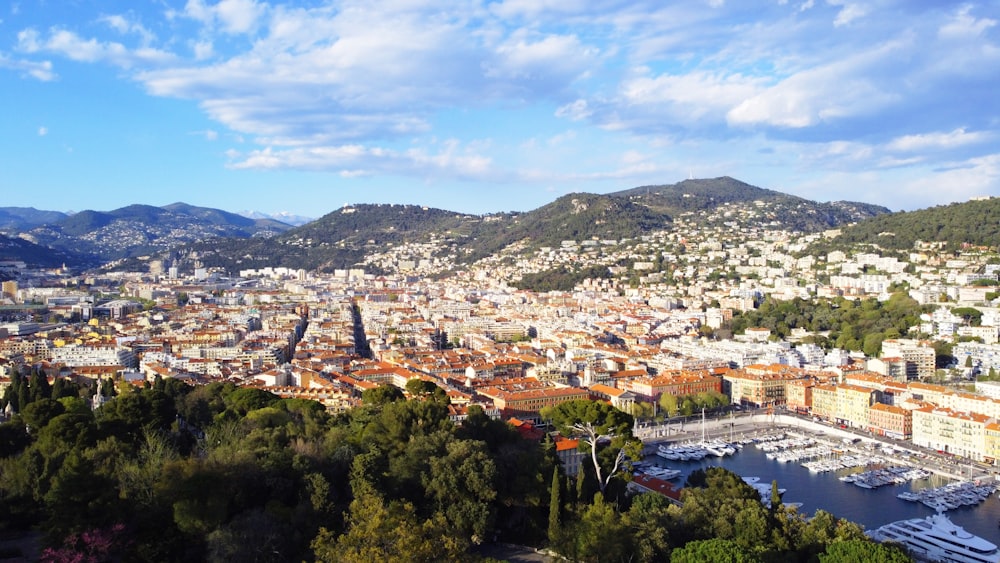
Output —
<point x="715" y="550"/>
<point x="555" y="507"/>
<point x="596" y="422"/>
<point x="382" y="395"/>
<point x="246" y="399"/>
<point x="851" y="551"/>
<point x="648" y="521"/>
<point x="422" y="388"/>
<point x="599" y="535"/>
<point x="38" y="383"/>
<point x="38" y="413"/>
<point x="669" y="404"/>
<point x="462" y="485"/>
<point x="390" y="532"/>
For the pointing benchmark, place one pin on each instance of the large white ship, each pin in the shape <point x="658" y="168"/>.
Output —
<point x="936" y="538"/>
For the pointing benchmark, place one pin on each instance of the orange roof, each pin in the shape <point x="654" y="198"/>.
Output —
<point x="563" y="443"/>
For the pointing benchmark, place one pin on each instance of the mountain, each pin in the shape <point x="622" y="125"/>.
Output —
<point x="19" y="250"/>
<point x="99" y="236"/>
<point x="23" y="218"/>
<point x="282" y="216"/>
<point x="716" y="200"/>
<point x="345" y="237"/>
<point x="339" y="239"/>
<point x="571" y="217"/>
<point x="971" y="223"/>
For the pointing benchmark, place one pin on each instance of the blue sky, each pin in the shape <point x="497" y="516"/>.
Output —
<point x="480" y="106"/>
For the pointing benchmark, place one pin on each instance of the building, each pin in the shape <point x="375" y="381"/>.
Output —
<point x="853" y="405"/>
<point x="918" y="355"/>
<point x="621" y="400"/>
<point x="890" y="421"/>
<point x="961" y="434"/>
<point x="759" y="385"/>
<point x="799" y="395"/>
<point x="525" y="403"/>
<point x="678" y="384"/>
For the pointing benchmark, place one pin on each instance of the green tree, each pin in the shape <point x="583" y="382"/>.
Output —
<point x="599" y="535"/>
<point x="38" y="413"/>
<point x="715" y="550"/>
<point x="462" y="485"/>
<point x="382" y="395"/>
<point x="246" y="399"/>
<point x="38" y="383"/>
<point x="555" y="507"/>
<point x="425" y="389"/>
<point x="595" y="422"/>
<point x="852" y="551"/>
<point x="669" y="404"/>
<point x="648" y="521"/>
<point x="390" y="532"/>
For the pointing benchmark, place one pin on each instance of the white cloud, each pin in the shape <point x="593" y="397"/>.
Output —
<point x="532" y="10"/>
<point x="525" y="63"/>
<point x="938" y="140"/>
<point x="849" y="12"/>
<point x="846" y="88"/>
<point x="203" y="50"/>
<point x="207" y="134"/>
<point x="964" y="26"/>
<point x="74" y="47"/>
<point x="576" y="111"/>
<point x="959" y="180"/>
<point x="124" y="25"/>
<point x="450" y="160"/>
<point x="43" y="131"/>
<point x="39" y="70"/>
<point x="232" y="16"/>
<point x="692" y="96"/>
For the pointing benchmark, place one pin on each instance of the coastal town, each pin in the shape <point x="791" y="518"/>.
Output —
<point x="650" y="330"/>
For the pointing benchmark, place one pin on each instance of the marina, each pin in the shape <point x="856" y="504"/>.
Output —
<point x="820" y="486"/>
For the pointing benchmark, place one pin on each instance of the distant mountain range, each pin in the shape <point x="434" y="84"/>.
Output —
<point x="282" y="216"/>
<point x="90" y="238"/>
<point x="343" y="237"/>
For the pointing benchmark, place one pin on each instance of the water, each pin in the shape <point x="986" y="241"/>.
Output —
<point x="869" y="507"/>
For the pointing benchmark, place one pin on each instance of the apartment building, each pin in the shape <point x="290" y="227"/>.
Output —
<point x="962" y="434"/>
<point x="918" y="355"/>
<point x="890" y="421"/>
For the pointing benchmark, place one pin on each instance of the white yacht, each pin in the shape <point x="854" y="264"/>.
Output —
<point x="936" y="538"/>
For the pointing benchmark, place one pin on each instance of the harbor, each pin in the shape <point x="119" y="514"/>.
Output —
<point x="862" y="480"/>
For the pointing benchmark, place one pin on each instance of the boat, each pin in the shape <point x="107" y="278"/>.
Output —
<point x="937" y="538"/>
<point x="663" y="473"/>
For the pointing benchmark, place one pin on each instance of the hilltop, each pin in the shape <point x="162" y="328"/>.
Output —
<point x="719" y="199"/>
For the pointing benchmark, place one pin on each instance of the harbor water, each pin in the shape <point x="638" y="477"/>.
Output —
<point x="869" y="507"/>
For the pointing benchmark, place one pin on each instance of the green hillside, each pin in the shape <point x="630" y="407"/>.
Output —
<point x="972" y="223"/>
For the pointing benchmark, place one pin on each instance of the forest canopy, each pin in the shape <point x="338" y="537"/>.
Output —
<point x="171" y="472"/>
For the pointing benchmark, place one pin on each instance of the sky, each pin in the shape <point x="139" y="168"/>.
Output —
<point x="481" y="107"/>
